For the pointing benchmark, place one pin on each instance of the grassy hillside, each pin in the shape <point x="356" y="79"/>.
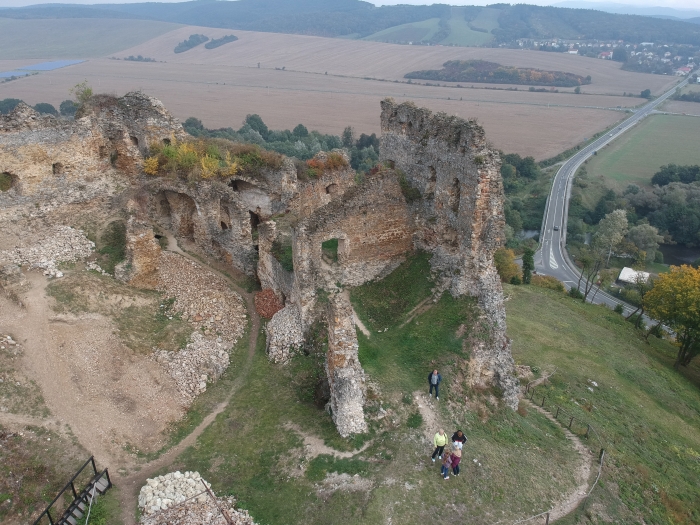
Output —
<point x="647" y="414"/>
<point x="416" y="32"/>
<point x="74" y="38"/>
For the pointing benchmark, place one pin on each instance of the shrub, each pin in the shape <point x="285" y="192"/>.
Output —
<point x="575" y="293"/>
<point x="209" y="158"/>
<point x="504" y="259"/>
<point x="192" y="41"/>
<point x="516" y="280"/>
<point x="334" y="161"/>
<point x="284" y="255"/>
<point x="547" y="281"/>
<point x="5" y="181"/>
<point x="619" y="309"/>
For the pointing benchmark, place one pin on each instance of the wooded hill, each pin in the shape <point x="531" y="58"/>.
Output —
<point x="358" y="19"/>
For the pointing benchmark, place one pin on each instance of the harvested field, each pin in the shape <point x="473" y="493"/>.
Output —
<point x="378" y="60"/>
<point x="328" y="84"/>
<point x="685" y="108"/>
<point x="73" y="38"/>
<point x="223" y="96"/>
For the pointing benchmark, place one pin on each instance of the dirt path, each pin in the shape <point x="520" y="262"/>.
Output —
<point x="583" y="472"/>
<point x="314" y="446"/>
<point x="131" y="483"/>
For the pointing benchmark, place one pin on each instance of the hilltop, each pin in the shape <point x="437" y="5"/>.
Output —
<point x="435" y="24"/>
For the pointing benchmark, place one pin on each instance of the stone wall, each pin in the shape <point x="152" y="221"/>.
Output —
<point x="372" y="224"/>
<point x="345" y="375"/>
<point x="459" y="218"/>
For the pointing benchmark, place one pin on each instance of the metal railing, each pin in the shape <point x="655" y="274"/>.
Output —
<point x="78" y="497"/>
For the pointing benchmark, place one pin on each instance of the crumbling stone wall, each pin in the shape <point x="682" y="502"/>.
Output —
<point x="459" y="218"/>
<point x="374" y="230"/>
<point x="345" y="375"/>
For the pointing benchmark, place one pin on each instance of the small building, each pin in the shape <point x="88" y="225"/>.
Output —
<point x="630" y="276"/>
<point x="605" y="55"/>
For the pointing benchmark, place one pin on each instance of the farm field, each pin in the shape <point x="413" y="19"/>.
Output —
<point x="73" y="38"/>
<point x="222" y="96"/>
<point x="682" y="107"/>
<point x="635" y="157"/>
<point x="357" y="58"/>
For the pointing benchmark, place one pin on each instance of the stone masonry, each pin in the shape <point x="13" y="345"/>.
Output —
<point x="345" y="375"/>
<point x="459" y="219"/>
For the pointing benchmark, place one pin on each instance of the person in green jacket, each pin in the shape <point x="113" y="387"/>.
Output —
<point x="440" y="440"/>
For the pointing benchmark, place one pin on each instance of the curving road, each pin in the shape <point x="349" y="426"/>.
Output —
<point x="552" y="257"/>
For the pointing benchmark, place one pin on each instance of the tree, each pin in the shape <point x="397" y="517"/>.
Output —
<point x="8" y="104"/>
<point x="505" y="265"/>
<point x="255" y="122"/>
<point x="646" y="238"/>
<point x="81" y="92"/>
<point x="68" y="108"/>
<point x="591" y="260"/>
<point x="577" y="90"/>
<point x="646" y="93"/>
<point x="619" y="54"/>
<point x="675" y="301"/>
<point x="528" y="265"/>
<point x="348" y="137"/>
<point x="643" y="286"/>
<point x="45" y="109"/>
<point x="611" y="230"/>
<point x="300" y="131"/>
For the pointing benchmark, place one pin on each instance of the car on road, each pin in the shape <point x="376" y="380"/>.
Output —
<point x="556" y="228"/>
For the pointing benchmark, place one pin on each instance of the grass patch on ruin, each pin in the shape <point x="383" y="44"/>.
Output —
<point x="34" y="467"/>
<point x="111" y="248"/>
<point x="144" y="318"/>
<point x="646" y="413"/>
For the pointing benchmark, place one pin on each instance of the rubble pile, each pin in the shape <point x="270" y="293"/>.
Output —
<point x="61" y="244"/>
<point x="96" y="267"/>
<point x="204" y="298"/>
<point x="201" y="361"/>
<point x="10" y="345"/>
<point x="267" y="304"/>
<point x="182" y="499"/>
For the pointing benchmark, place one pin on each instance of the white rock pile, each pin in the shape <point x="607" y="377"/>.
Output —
<point x="96" y="267"/>
<point x="201" y="361"/>
<point x="10" y="345"/>
<point x="61" y="244"/>
<point x="181" y="499"/>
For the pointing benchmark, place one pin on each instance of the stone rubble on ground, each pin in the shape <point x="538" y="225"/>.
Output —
<point x="96" y="267"/>
<point x="181" y="499"/>
<point x="217" y="313"/>
<point x="61" y="244"/>
<point x="201" y="361"/>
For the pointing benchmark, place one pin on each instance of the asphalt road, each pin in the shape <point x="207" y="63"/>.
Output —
<point x="552" y="257"/>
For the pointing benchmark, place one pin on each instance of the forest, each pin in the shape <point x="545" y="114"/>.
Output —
<point x="493" y="73"/>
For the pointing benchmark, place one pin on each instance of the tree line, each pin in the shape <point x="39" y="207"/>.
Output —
<point x="67" y="108"/>
<point x="299" y="143"/>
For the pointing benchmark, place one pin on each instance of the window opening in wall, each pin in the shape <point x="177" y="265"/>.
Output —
<point x="7" y="181"/>
<point x="166" y="142"/>
<point x="57" y="168"/>
<point x="113" y="158"/>
<point x="392" y="164"/>
<point x="453" y="201"/>
<point x="329" y="250"/>
<point x="224" y="226"/>
<point x="254" y="222"/>
<point x="332" y="189"/>
<point x="134" y="140"/>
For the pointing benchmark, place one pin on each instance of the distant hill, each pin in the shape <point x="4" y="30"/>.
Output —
<point x="434" y="24"/>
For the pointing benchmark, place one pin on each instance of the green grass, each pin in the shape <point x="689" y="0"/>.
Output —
<point x="251" y="452"/>
<point x="5" y="181"/>
<point x="413" y="32"/>
<point x="74" y="38"/>
<point x="635" y="157"/>
<point x="461" y="34"/>
<point x="647" y="413"/>
<point x="112" y="246"/>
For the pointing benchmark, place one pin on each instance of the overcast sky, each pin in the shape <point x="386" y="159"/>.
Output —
<point x="679" y="4"/>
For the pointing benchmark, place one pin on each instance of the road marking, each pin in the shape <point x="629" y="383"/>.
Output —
<point x="552" y="261"/>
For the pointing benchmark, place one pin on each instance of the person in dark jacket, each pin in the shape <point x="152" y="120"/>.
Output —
<point x="459" y="437"/>
<point x="434" y="381"/>
<point x="456" y="458"/>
